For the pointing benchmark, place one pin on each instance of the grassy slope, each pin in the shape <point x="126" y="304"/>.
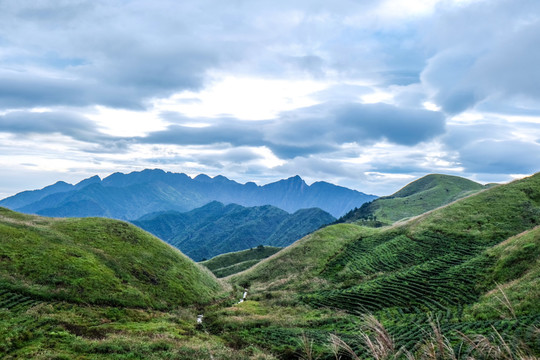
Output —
<point x="441" y="265"/>
<point x="424" y="194"/>
<point x="444" y="244"/>
<point x="97" y="261"/>
<point x="232" y="263"/>
<point x="92" y="289"/>
<point x="299" y="264"/>
<point x="516" y="273"/>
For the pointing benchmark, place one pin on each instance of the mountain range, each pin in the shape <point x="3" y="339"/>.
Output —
<point x="130" y="196"/>
<point x="216" y="228"/>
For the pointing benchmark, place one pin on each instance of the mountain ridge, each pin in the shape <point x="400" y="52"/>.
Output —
<point x="130" y="196"/>
<point x="216" y="228"/>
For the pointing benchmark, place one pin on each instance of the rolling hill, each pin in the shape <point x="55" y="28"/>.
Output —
<point x="232" y="263"/>
<point x="217" y="228"/>
<point x="96" y="261"/>
<point x="424" y="194"/>
<point x="130" y="196"/>
<point x="471" y="265"/>
<point x="101" y="289"/>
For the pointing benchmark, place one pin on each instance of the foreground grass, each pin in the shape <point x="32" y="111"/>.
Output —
<point x="63" y="330"/>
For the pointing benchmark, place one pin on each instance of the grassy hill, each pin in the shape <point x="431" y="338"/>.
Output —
<point x="446" y="267"/>
<point x="217" y="228"/>
<point x="424" y="194"/>
<point x="232" y="263"/>
<point x="101" y="289"/>
<point x="96" y="261"/>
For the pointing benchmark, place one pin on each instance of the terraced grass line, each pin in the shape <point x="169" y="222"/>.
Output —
<point x="16" y="302"/>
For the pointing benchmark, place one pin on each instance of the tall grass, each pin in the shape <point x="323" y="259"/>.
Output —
<point x="376" y="343"/>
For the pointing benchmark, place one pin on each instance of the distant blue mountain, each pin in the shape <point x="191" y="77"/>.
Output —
<point x="215" y="228"/>
<point x="130" y="196"/>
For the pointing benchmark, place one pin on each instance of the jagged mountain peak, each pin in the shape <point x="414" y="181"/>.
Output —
<point x="91" y="180"/>
<point x="129" y="196"/>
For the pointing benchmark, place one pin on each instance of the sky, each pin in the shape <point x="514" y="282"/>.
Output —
<point x="365" y="94"/>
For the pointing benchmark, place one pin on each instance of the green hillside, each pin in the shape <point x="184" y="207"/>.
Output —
<point x="424" y="194"/>
<point x="459" y="282"/>
<point x="101" y="289"/>
<point x="232" y="263"/>
<point x="445" y="266"/>
<point x="297" y="265"/>
<point x="96" y="261"/>
<point x="216" y="228"/>
<point x="516" y="273"/>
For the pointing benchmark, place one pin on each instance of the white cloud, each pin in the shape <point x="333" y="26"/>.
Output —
<point x="126" y="123"/>
<point x="247" y="98"/>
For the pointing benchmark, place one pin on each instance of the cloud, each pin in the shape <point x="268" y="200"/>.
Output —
<point x="68" y="124"/>
<point x="397" y="125"/>
<point x="58" y="54"/>
<point x="81" y="58"/>
<point x="487" y="51"/>
<point x="314" y="167"/>
<point x="24" y="122"/>
<point x="230" y="131"/>
<point x="494" y="146"/>
<point x="510" y="157"/>
<point x="124" y="54"/>
<point x="312" y="130"/>
<point x="460" y="135"/>
<point x="337" y="123"/>
<point x="53" y="53"/>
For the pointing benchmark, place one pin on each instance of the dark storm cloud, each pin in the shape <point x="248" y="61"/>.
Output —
<point x="312" y="130"/>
